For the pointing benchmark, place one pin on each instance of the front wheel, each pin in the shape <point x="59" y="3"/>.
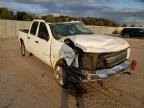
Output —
<point x="61" y="76"/>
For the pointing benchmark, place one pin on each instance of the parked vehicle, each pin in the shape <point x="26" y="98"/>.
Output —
<point x="74" y="52"/>
<point x="132" y="32"/>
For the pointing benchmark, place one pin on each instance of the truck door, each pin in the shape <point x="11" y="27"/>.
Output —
<point x="32" y="37"/>
<point x="43" y="46"/>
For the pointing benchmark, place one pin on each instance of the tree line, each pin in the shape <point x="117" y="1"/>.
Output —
<point x="25" y="16"/>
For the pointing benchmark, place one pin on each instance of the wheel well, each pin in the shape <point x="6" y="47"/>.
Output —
<point x="21" y="40"/>
<point x="61" y="62"/>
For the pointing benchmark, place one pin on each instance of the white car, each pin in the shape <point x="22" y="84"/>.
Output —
<point x="74" y="52"/>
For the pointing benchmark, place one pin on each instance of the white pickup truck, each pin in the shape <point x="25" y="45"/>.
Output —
<point x="74" y="52"/>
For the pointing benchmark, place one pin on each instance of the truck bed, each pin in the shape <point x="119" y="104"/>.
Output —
<point x="24" y="30"/>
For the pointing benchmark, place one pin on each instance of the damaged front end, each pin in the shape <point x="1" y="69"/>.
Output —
<point x="93" y="66"/>
<point x="105" y="65"/>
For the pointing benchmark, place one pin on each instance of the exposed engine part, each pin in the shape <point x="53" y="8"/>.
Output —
<point x="72" y="45"/>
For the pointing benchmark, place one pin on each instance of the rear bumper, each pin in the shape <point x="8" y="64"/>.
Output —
<point x="116" y="70"/>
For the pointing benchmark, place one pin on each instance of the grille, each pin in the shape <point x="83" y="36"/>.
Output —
<point x="90" y="61"/>
<point x="115" y="58"/>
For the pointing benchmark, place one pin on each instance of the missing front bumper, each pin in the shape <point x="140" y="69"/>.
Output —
<point x="116" y="70"/>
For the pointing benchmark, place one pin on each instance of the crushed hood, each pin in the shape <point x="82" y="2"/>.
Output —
<point x="99" y="43"/>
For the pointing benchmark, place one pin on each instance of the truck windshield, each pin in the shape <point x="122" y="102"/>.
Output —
<point x="60" y="30"/>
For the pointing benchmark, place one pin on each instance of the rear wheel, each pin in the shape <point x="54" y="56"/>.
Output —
<point x="61" y="76"/>
<point x="24" y="52"/>
<point x="126" y="36"/>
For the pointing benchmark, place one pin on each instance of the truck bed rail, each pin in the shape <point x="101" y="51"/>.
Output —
<point x="24" y="30"/>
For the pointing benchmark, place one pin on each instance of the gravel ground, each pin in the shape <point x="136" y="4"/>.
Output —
<point x="29" y="83"/>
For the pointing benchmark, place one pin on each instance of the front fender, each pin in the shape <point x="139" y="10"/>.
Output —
<point x="61" y="51"/>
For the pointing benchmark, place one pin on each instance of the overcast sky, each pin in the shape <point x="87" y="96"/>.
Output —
<point x="118" y="10"/>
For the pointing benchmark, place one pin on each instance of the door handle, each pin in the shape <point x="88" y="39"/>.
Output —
<point x="36" y="41"/>
<point x="28" y="37"/>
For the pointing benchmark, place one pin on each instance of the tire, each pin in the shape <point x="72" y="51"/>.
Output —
<point x="60" y="76"/>
<point x="24" y="52"/>
<point x="126" y="36"/>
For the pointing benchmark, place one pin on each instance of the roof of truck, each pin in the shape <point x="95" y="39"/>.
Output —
<point x="40" y="20"/>
<point x="64" y="22"/>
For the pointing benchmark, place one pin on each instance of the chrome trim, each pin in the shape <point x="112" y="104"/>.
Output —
<point x="99" y="74"/>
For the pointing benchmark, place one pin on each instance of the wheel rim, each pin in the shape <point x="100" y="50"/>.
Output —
<point x="126" y="36"/>
<point x="59" y="75"/>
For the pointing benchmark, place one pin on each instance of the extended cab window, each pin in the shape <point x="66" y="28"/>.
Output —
<point x="43" y="32"/>
<point x="34" y="28"/>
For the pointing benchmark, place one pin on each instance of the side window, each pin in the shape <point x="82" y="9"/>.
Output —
<point x="135" y="30"/>
<point x="34" y="28"/>
<point x="43" y="32"/>
<point x="141" y="30"/>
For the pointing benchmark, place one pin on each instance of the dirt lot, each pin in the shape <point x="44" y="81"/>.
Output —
<point x="29" y="83"/>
